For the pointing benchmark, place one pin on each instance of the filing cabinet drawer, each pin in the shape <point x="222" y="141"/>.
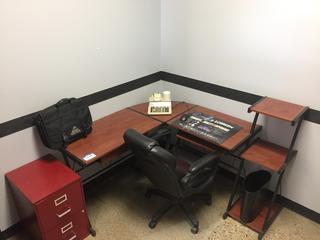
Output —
<point x="74" y="227"/>
<point x="59" y="206"/>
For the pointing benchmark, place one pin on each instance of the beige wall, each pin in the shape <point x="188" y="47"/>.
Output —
<point x="55" y="49"/>
<point x="263" y="47"/>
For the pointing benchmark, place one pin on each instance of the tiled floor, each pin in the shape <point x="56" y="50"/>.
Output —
<point x="119" y="211"/>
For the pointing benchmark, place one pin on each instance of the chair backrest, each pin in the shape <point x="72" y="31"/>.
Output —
<point x="157" y="163"/>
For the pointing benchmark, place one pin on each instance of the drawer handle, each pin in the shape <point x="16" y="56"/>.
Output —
<point x="73" y="237"/>
<point x="66" y="227"/>
<point x="60" y="200"/>
<point x="64" y="213"/>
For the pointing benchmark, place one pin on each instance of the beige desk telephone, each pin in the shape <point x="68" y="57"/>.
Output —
<point x="160" y="104"/>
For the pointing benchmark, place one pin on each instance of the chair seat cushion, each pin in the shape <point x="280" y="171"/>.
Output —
<point x="182" y="167"/>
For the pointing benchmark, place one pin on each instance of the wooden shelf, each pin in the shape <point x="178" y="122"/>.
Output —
<point x="266" y="154"/>
<point x="257" y="223"/>
<point x="269" y="155"/>
<point x="278" y="109"/>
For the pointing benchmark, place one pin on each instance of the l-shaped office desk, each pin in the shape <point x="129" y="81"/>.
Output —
<point x="104" y="148"/>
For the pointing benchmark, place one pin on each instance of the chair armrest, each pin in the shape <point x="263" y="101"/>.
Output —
<point x="205" y="161"/>
<point x="160" y="133"/>
<point x="201" y="173"/>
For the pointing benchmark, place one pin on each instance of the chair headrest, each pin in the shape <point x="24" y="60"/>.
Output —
<point x="138" y="140"/>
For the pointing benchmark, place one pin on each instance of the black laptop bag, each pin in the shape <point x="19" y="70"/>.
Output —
<point x="63" y="123"/>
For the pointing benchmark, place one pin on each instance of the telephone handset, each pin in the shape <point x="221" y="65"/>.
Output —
<point x="184" y="117"/>
<point x="160" y="97"/>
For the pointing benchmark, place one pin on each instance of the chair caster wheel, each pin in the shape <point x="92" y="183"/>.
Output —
<point x="225" y="215"/>
<point x="152" y="224"/>
<point x="195" y="229"/>
<point x="93" y="232"/>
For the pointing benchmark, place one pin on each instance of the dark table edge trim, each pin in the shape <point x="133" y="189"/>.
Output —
<point x="23" y="122"/>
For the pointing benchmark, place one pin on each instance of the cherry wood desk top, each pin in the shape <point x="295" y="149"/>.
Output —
<point x="278" y="109"/>
<point x="106" y="138"/>
<point x="178" y="108"/>
<point x="107" y="134"/>
<point x="266" y="154"/>
<point x="229" y="144"/>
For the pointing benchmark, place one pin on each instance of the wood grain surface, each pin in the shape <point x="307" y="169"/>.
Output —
<point x="178" y="108"/>
<point x="107" y="134"/>
<point x="257" y="223"/>
<point x="278" y="109"/>
<point x="266" y="154"/>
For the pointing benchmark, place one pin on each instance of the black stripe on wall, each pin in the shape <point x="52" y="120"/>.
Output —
<point x="312" y="115"/>
<point x="121" y="89"/>
<point x="14" y="229"/>
<point x="17" y="124"/>
<point x="27" y="121"/>
<point x="302" y="210"/>
<point x="211" y="88"/>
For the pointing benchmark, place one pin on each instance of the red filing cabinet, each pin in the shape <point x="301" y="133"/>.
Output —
<point x="50" y="200"/>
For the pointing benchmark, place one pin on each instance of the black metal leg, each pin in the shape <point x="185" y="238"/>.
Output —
<point x="172" y="139"/>
<point x="234" y="189"/>
<point x="65" y="158"/>
<point x="253" y="126"/>
<point x="274" y="195"/>
<point x="168" y="140"/>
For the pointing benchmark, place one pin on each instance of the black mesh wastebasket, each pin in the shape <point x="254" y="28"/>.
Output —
<point x="254" y="183"/>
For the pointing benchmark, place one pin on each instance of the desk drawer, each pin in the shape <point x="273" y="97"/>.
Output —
<point x="74" y="227"/>
<point x="59" y="206"/>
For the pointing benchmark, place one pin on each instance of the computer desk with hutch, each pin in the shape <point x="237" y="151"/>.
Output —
<point x="104" y="148"/>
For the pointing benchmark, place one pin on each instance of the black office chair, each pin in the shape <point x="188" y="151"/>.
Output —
<point x="174" y="180"/>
